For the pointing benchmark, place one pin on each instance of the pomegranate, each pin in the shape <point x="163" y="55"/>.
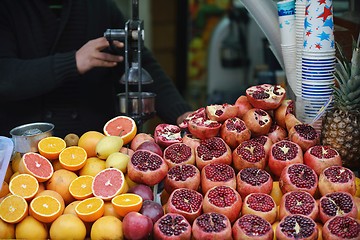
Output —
<point x="167" y="134"/>
<point x="139" y="139"/>
<point x="258" y="121"/>
<point x="217" y="174"/>
<point x="296" y="226"/>
<point x="266" y="96"/>
<point x="191" y="141"/>
<point x="253" y="180"/>
<point x="304" y="135"/>
<point x="320" y="157"/>
<point x="298" y="202"/>
<point x="243" y="105"/>
<point x="282" y="154"/>
<point x="252" y="227"/>
<point x="234" y="132"/>
<point x="144" y="191"/>
<point x="136" y="226"/>
<point x="291" y="121"/>
<point x="203" y="128"/>
<point x="152" y="209"/>
<point x="286" y="106"/>
<point x="337" y="178"/>
<point x="337" y="204"/>
<point x="249" y="154"/>
<point x="127" y="151"/>
<point x="298" y="177"/>
<point x="146" y="167"/>
<point x="199" y="113"/>
<point x="260" y="204"/>
<point x="182" y="176"/>
<point x="277" y="133"/>
<point x="172" y="226"/>
<point x="341" y="227"/>
<point x="212" y="150"/>
<point x="213" y="226"/>
<point x="221" y="112"/>
<point x="179" y="153"/>
<point x="186" y="202"/>
<point x="266" y="142"/>
<point x="223" y="199"/>
<point x="151" y="146"/>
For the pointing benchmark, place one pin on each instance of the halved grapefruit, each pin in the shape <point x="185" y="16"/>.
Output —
<point x="36" y="165"/>
<point x="122" y="126"/>
<point x="108" y="183"/>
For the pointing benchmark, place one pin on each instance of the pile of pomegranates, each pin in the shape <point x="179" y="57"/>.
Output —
<point x="218" y="169"/>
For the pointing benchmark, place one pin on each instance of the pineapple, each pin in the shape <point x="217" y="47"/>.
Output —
<point x="341" y="125"/>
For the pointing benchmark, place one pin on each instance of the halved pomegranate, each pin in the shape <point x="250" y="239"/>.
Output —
<point x="282" y="154"/>
<point x="337" y="204"/>
<point x="260" y="204"/>
<point x="146" y="167"/>
<point x="243" y="105"/>
<point x="182" y="176"/>
<point x="253" y="180"/>
<point x="320" y="157"/>
<point x="305" y="135"/>
<point x="211" y="226"/>
<point x="249" y="154"/>
<point x="286" y="106"/>
<point x="252" y="227"/>
<point x="172" y="226"/>
<point x="223" y="199"/>
<point x="297" y="226"/>
<point x="178" y="154"/>
<point x="266" y="142"/>
<point x="203" y="128"/>
<point x="217" y="174"/>
<point x="234" y="132"/>
<point x="258" y="121"/>
<point x="199" y="113"/>
<point x="167" y="134"/>
<point x="298" y="202"/>
<point x="221" y="112"/>
<point x="341" y="227"/>
<point x="186" y="202"/>
<point x="337" y="178"/>
<point x="266" y="96"/>
<point x="298" y="177"/>
<point x="212" y="150"/>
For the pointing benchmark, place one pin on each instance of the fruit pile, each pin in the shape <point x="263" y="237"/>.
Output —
<point x="248" y="170"/>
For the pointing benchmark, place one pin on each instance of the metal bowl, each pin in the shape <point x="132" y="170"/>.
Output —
<point x="27" y="136"/>
<point x="139" y="103"/>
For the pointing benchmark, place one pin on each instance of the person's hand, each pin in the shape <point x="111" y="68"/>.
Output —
<point x="181" y="118"/>
<point x="90" y="55"/>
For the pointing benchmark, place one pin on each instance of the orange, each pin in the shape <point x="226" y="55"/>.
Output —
<point x="45" y="208"/>
<point x="122" y="126"/>
<point x="13" y="209"/>
<point x="70" y="208"/>
<point x="110" y="210"/>
<point x="274" y="225"/>
<point x="320" y="228"/>
<point x="56" y="164"/>
<point x="357" y="182"/>
<point x="60" y="182"/>
<point x="276" y="192"/>
<point x="15" y="160"/>
<point x="127" y="202"/>
<point x="73" y="158"/>
<point x="4" y="190"/>
<point x="7" y="230"/>
<point x="89" y="140"/>
<point x="90" y="209"/>
<point x="51" y="147"/>
<point x="24" y="185"/>
<point x="80" y="187"/>
<point x="30" y="228"/>
<point x="109" y="183"/>
<point x="67" y="226"/>
<point x="107" y="227"/>
<point x="36" y="165"/>
<point x="54" y="194"/>
<point x="92" y="166"/>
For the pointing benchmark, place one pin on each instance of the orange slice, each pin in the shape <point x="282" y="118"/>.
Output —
<point x="108" y="183"/>
<point x="45" y="208"/>
<point x="127" y="202"/>
<point x="73" y="158"/>
<point x="81" y="187"/>
<point x="51" y="147"/>
<point x="36" y="165"/>
<point x="90" y="209"/>
<point x="54" y="194"/>
<point x="13" y="209"/>
<point x="122" y="126"/>
<point x="24" y="185"/>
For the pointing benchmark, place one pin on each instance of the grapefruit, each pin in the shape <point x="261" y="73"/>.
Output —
<point x="30" y="228"/>
<point x="107" y="227"/>
<point x="122" y="126"/>
<point x="108" y="183"/>
<point x="7" y="230"/>
<point x="60" y="182"/>
<point x="67" y="226"/>
<point x="36" y="165"/>
<point x="92" y="166"/>
<point x="88" y="142"/>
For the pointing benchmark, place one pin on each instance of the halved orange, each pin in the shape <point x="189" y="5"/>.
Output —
<point x="73" y="158"/>
<point x="36" y="165"/>
<point x="109" y="183"/>
<point x="13" y="209"/>
<point x="24" y="185"/>
<point x="90" y="209"/>
<point x="122" y="126"/>
<point x="52" y="193"/>
<point x="81" y="187"/>
<point x="127" y="202"/>
<point x="51" y="147"/>
<point x="45" y="208"/>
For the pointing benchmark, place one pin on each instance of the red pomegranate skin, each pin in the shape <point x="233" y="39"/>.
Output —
<point x="221" y="112"/>
<point x="304" y="135"/>
<point x="335" y="179"/>
<point x="203" y="128"/>
<point x="182" y="176"/>
<point x="266" y="96"/>
<point x="243" y="105"/>
<point x="252" y="227"/>
<point x="179" y="154"/>
<point x="191" y="141"/>
<point x="287" y="106"/>
<point x="260" y="204"/>
<point x="258" y="121"/>
<point x="339" y="228"/>
<point x="253" y="180"/>
<point x="167" y="134"/>
<point x="297" y="226"/>
<point x="249" y="154"/>
<point x="217" y="174"/>
<point x="172" y="226"/>
<point x="234" y="132"/>
<point x="218" y="227"/>
<point x="277" y="133"/>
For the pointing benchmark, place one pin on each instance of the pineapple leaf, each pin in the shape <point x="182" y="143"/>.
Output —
<point x="354" y="95"/>
<point x="355" y="60"/>
<point x="343" y="70"/>
<point x="342" y="59"/>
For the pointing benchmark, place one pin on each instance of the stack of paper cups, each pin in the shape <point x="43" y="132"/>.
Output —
<point x="286" y="13"/>
<point x="299" y="25"/>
